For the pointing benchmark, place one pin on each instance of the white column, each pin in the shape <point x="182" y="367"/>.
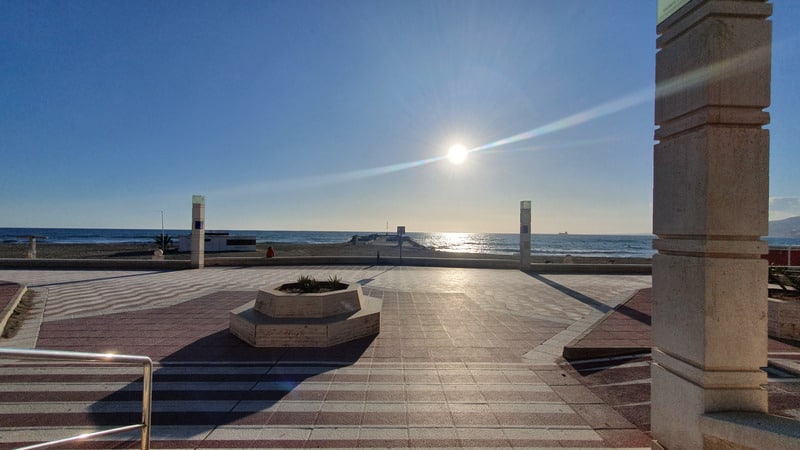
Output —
<point x="525" y="234"/>
<point x="710" y="200"/>
<point x="32" y="247"/>
<point x="198" y="231"/>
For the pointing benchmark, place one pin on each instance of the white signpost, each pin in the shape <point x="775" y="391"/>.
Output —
<point x="401" y="230"/>
<point x="525" y="234"/>
<point x="198" y="231"/>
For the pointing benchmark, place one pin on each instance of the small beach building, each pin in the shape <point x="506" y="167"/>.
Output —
<point x="220" y="241"/>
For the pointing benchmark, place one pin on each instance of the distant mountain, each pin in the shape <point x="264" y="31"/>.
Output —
<point x="786" y="228"/>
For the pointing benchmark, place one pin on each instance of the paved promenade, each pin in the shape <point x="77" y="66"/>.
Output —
<point x="622" y="377"/>
<point x="465" y="358"/>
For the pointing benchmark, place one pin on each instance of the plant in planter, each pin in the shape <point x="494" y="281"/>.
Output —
<point x="163" y="241"/>
<point x="307" y="284"/>
<point x="307" y="313"/>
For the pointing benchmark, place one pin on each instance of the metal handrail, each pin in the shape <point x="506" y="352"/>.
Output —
<point x="147" y="388"/>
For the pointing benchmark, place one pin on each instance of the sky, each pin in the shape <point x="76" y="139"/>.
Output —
<point x="338" y="115"/>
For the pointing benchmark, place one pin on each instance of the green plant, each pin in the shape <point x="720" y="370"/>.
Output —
<point x="163" y="241"/>
<point x="307" y="284"/>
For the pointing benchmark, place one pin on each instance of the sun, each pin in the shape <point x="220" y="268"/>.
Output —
<point x="457" y="154"/>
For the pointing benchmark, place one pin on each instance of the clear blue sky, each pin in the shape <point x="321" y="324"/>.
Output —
<point x="335" y="115"/>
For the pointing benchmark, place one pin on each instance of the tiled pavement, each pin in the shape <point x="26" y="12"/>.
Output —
<point x="465" y="358"/>
<point x="623" y="382"/>
<point x="627" y="329"/>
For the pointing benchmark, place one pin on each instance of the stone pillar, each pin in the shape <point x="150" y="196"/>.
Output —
<point x="401" y="231"/>
<point x="525" y="234"/>
<point x="32" y="244"/>
<point x="32" y="247"/>
<point x="198" y="231"/>
<point x="710" y="200"/>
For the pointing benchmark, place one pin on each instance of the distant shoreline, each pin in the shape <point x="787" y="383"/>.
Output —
<point x="370" y="248"/>
<point x="447" y="244"/>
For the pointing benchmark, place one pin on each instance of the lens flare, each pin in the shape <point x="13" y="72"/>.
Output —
<point x="457" y="154"/>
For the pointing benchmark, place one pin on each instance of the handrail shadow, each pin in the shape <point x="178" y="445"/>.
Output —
<point x="240" y="383"/>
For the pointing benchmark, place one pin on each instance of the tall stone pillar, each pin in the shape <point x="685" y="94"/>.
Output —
<point x="525" y="234"/>
<point x="32" y="247"/>
<point x="710" y="200"/>
<point x="198" y="231"/>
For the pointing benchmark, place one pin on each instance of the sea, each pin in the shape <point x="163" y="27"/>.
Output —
<point x="594" y="245"/>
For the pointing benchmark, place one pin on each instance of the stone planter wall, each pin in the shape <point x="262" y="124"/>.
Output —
<point x="784" y="319"/>
<point x="279" y="304"/>
<point x="280" y="319"/>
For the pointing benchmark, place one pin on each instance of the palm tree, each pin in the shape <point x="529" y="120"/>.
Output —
<point x="163" y="241"/>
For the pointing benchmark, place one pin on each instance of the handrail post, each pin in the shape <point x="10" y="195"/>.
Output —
<point x="147" y="401"/>
<point x="147" y="388"/>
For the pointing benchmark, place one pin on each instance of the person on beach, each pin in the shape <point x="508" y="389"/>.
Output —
<point x="270" y="252"/>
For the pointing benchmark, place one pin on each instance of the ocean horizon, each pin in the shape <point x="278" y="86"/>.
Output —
<point x="594" y="245"/>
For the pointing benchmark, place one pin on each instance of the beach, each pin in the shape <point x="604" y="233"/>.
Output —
<point x="370" y="248"/>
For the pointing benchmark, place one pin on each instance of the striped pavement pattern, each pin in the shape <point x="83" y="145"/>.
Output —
<point x="465" y="358"/>
<point x="90" y="293"/>
<point x="111" y="292"/>
<point x="231" y="405"/>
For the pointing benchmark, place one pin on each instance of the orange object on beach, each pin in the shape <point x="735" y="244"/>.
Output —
<point x="270" y="252"/>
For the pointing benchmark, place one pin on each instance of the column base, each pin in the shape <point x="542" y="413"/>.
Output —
<point x="676" y="405"/>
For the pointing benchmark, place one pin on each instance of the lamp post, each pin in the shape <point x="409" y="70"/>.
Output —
<point x="163" y="237"/>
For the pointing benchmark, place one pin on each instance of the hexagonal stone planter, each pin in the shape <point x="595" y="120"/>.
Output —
<point x="282" y="319"/>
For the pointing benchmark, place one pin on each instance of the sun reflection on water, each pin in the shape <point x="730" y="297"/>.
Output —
<point x="459" y="242"/>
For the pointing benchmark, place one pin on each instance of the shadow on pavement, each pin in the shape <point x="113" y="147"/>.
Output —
<point x="218" y="379"/>
<point x="586" y="300"/>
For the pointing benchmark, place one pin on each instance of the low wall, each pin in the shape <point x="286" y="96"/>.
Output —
<point x="363" y="261"/>
<point x="104" y="263"/>
<point x="474" y="263"/>
<point x="784" y="319"/>
<point x="748" y="430"/>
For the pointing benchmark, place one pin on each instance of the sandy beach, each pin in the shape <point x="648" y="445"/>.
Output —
<point x="371" y="248"/>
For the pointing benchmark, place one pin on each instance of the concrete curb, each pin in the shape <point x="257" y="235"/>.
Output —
<point x="580" y="353"/>
<point x="113" y="264"/>
<point x="572" y="352"/>
<point x="11" y="306"/>
<point x="787" y="365"/>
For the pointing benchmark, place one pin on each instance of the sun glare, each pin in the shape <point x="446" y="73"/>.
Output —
<point x="457" y="154"/>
